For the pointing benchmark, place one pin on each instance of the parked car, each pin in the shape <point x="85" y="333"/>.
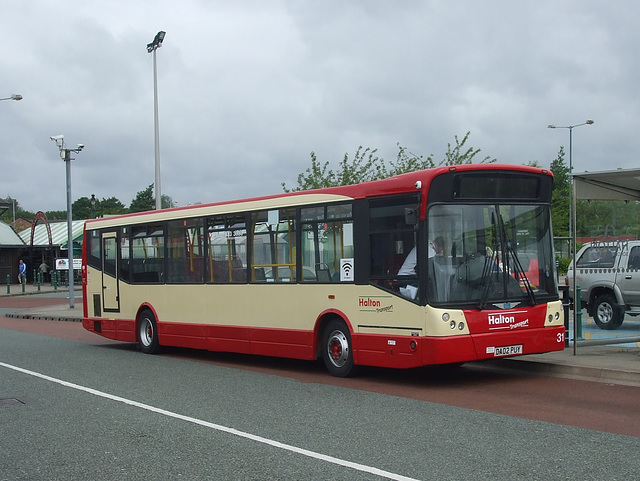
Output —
<point x="608" y="274"/>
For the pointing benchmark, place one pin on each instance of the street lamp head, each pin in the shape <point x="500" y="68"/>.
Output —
<point x="570" y="127"/>
<point x="13" y="97"/>
<point x="157" y="42"/>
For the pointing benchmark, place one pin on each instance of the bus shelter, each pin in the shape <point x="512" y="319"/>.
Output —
<point x="622" y="184"/>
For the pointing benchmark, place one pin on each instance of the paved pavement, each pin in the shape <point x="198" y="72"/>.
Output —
<point x="615" y="363"/>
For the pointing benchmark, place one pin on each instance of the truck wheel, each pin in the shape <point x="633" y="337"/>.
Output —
<point x="606" y="314"/>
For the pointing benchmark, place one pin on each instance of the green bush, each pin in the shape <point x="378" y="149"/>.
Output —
<point x="563" y="264"/>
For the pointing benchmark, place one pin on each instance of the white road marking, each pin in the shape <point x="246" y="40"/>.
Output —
<point x="217" y="427"/>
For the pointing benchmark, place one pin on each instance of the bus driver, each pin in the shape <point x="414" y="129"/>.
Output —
<point x="436" y="248"/>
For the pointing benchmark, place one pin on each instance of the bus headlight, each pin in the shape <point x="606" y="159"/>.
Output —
<point x="445" y="317"/>
<point x="452" y="324"/>
<point x="461" y="326"/>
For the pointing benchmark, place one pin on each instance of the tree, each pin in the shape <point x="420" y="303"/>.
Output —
<point x="457" y="156"/>
<point x="110" y="206"/>
<point x="6" y="209"/>
<point x="82" y="209"/>
<point x="143" y="200"/>
<point x="408" y="162"/>
<point x="366" y="165"/>
<point x="7" y="215"/>
<point x="166" y="202"/>
<point x="53" y="215"/>
<point x="561" y="195"/>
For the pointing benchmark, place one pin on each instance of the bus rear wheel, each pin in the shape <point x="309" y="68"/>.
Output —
<point x="148" y="333"/>
<point x="337" y="351"/>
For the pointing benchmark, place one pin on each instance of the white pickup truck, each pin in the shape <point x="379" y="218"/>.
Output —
<point x="608" y="273"/>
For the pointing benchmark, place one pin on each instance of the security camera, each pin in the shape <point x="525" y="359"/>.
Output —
<point x="418" y="184"/>
<point x="58" y="139"/>
<point x="80" y="146"/>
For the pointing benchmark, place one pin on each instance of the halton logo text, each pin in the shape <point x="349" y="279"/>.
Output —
<point x="502" y="321"/>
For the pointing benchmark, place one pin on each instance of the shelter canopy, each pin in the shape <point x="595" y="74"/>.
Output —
<point x="608" y="185"/>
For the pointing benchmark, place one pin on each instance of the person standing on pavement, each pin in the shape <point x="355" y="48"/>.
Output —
<point x="44" y="269"/>
<point x="22" y="272"/>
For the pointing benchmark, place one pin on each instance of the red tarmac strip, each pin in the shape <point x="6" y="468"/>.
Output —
<point x="61" y="329"/>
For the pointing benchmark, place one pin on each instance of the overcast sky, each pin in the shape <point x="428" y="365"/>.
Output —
<point x="247" y="89"/>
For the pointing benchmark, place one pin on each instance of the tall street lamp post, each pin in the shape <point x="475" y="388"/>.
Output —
<point x="151" y="48"/>
<point x="13" y="97"/>
<point x="570" y="127"/>
<point x="65" y="154"/>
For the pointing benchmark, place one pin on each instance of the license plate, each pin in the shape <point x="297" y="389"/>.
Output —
<point x="507" y="350"/>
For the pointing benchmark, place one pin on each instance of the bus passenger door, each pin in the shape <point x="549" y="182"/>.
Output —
<point x="110" y="288"/>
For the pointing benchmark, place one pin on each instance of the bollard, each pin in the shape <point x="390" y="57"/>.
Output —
<point x="39" y="280"/>
<point x="34" y="278"/>
<point x="578" y="313"/>
<point x="24" y="284"/>
<point x="54" y="279"/>
<point x="566" y="305"/>
<point x="8" y="284"/>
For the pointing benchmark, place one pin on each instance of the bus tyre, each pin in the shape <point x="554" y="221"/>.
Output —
<point x="606" y="314"/>
<point x="148" y="333"/>
<point x="337" y="351"/>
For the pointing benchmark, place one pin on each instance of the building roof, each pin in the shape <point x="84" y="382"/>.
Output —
<point x="8" y="237"/>
<point x="59" y="236"/>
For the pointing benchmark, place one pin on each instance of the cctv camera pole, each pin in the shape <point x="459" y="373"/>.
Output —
<point x="66" y="156"/>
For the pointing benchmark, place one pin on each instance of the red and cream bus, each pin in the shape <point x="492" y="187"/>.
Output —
<point x="440" y="266"/>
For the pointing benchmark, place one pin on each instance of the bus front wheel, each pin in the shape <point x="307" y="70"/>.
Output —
<point x="337" y="352"/>
<point x="148" y="333"/>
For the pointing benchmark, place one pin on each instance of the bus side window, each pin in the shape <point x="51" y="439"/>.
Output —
<point x="147" y="263"/>
<point x="185" y="256"/>
<point x="327" y="238"/>
<point x="273" y="246"/>
<point x="226" y="260"/>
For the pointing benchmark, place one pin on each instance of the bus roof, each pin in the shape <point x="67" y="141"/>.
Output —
<point x="398" y="184"/>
